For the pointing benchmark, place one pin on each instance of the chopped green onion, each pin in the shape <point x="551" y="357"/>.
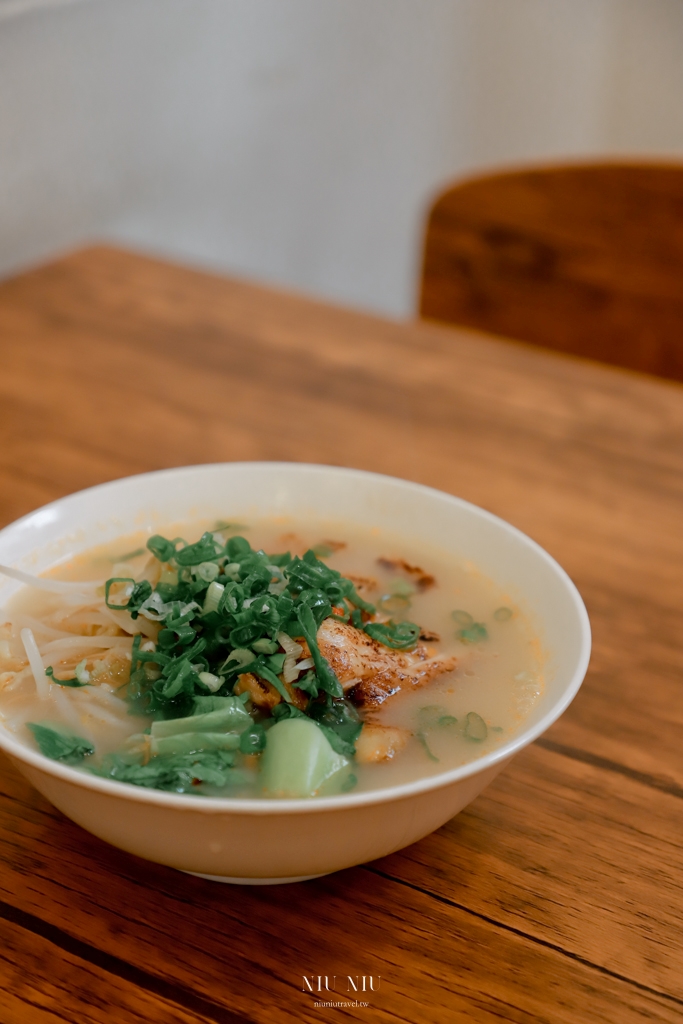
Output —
<point x="74" y="682"/>
<point x="393" y="604"/>
<point x="237" y="548"/>
<point x="502" y="614"/>
<point x="161" y="548"/>
<point x="205" y="550"/>
<point x="82" y="673"/>
<point x="402" y="588"/>
<point x="241" y="657"/>
<point x="206" y="571"/>
<point x="211" y="681"/>
<point x="473" y="634"/>
<point x="107" y="588"/>
<point x="475" y="727"/>
<point x="462" y="618"/>
<point x="265" y="647"/>
<point x="423" y="740"/>
<point x="213" y="597"/>
<point x="433" y="716"/>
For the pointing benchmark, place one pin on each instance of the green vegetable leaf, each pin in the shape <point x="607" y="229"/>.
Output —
<point x="59" y="745"/>
<point x="281" y="711"/>
<point x="339" y="718"/>
<point x="308" y="683"/>
<point x="204" y="705"/>
<point x="327" y="680"/>
<point x="228" y="716"/>
<point x="191" y="742"/>
<point x="399" y="635"/>
<point x="262" y="670"/>
<point x="276" y="662"/>
<point x="339" y="745"/>
<point x="179" y="773"/>
<point x="253" y="741"/>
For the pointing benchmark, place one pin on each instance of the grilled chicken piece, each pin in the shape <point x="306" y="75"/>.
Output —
<point x="371" y="672"/>
<point x="261" y="693"/>
<point x="380" y="742"/>
<point x="264" y="695"/>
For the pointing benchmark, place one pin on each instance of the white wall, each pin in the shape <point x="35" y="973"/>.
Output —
<point x="299" y="141"/>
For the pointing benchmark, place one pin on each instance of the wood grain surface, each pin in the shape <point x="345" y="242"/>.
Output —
<point x="557" y="896"/>
<point x="585" y="259"/>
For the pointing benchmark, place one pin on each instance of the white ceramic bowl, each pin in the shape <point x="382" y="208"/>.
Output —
<point x="253" y="841"/>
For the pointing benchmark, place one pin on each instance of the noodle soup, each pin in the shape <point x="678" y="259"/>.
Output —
<point x="266" y="659"/>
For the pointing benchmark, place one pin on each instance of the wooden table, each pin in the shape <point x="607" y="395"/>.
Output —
<point x="557" y="896"/>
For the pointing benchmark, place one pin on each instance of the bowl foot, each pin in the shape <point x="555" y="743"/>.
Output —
<point x="254" y="881"/>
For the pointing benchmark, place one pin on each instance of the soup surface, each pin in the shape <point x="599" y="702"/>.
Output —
<point x="266" y="659"/>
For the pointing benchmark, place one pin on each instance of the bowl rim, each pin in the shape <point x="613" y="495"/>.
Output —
<point x="342" y="802"/>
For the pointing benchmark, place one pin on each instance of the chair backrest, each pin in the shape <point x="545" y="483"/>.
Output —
<point x="584" y="259"/>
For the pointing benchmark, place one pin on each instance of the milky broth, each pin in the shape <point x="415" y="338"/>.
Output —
<point x="499" y="678"/>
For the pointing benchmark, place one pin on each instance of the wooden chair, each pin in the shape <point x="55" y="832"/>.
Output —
<point x="584" y="259"/>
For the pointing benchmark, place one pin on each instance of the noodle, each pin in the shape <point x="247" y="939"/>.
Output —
<point x="36" y="663"/>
